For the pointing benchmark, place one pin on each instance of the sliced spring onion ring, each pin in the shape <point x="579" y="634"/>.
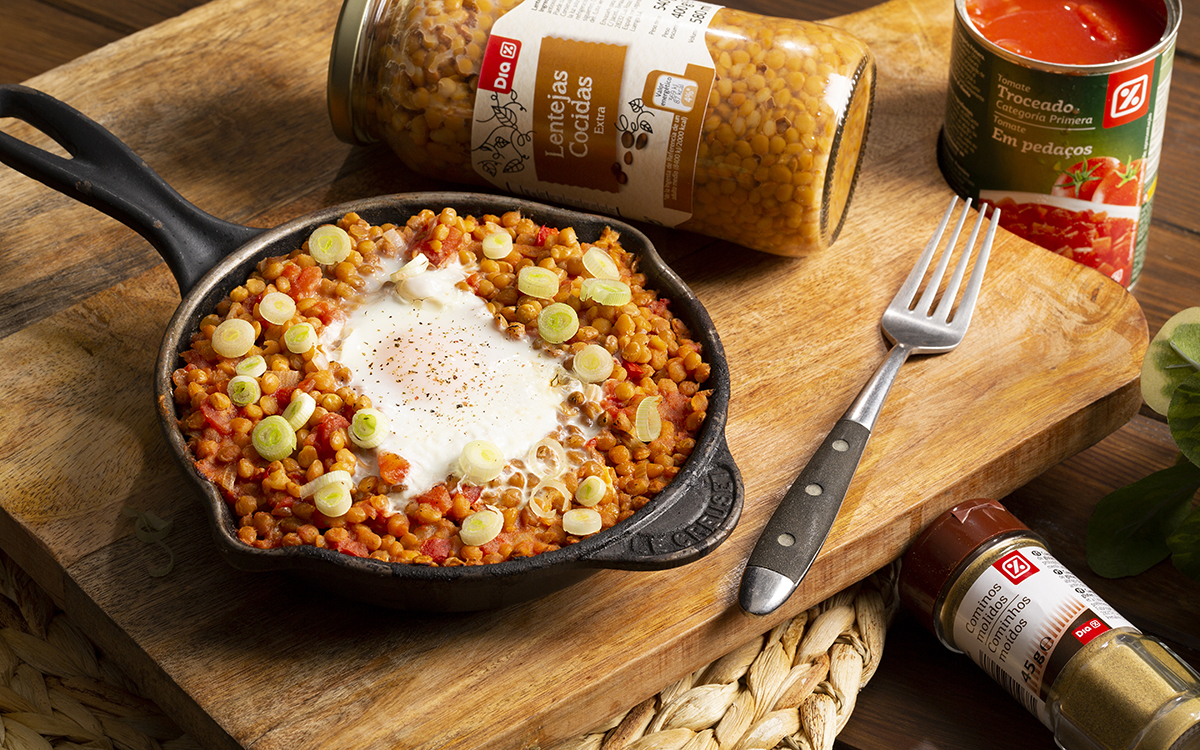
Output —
<point x="647" y="424"/>
<point x="243" y="390"/>
<point x="480" y="462"/>
<point x="557" y="323"/>
<point x="581" y="521"/>
<point x="300" y="338"/>
<point x="545" y="495"/>
<point x="277" y="308"/>
<point x="554" y="450"/>
<point x="600" y="264"/>
<point x="333" y="500"/>
<point x="497" y="245"/>
<point x="481" y="527"/>
<point x="337" y="476"/>
<point x="253" y="366"/>
<point x="368" y="428"/>
<point x="536" y="281"/>
<point x="299" y="409"/>
<point x="273" y="438"/>
<point x="591" y="491"/>
<point x="593" y="364"/>
<point x="419" y="264"/>
<point x="233" y="338"/>
<point x="329" y="244"/>
<point x="606" y="292"/>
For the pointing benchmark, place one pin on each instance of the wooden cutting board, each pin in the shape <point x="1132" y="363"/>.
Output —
<point x="227" y="103"/>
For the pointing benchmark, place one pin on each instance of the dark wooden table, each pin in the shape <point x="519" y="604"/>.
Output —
<point x="923" y="696"/>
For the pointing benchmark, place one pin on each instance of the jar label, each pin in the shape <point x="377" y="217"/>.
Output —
<point x="1069" y="154"/>
<point x="596" y="103"/>
<point x="1023" y="619"/>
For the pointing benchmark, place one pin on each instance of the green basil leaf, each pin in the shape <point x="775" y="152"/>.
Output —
<point x="1185" y="545"/>
<point x="1128" y="531"/>
<point x="1183" y="416"/>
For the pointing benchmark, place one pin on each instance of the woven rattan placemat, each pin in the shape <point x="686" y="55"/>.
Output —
<point x="794" y="687"/>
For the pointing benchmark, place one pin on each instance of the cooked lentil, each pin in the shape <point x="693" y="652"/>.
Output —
<point x="655" y="356"/>
<point x="782" y="135"/>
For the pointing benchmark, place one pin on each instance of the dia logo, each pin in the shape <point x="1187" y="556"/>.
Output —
<point x="1128" y="96"/>
<point x="1015" y="566"/>
<point x="499" y="64"/>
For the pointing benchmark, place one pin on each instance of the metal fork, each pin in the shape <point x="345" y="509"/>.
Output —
<point x="797" y="530"/>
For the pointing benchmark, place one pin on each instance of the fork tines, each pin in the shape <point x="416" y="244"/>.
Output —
<point x="932" y="286"/>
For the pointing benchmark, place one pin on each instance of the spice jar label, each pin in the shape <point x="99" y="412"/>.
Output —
<point x="597" y="103"/>
<point x="1023" y="619"/>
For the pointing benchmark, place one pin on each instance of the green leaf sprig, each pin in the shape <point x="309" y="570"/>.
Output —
<point x="1138" y="526"/>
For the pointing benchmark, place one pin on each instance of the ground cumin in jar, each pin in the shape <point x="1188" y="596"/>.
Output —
<point x="987" y="586"/>
<point x="677" y="112"/>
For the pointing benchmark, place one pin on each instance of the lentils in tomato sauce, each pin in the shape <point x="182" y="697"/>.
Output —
<point x="622" y="425"/>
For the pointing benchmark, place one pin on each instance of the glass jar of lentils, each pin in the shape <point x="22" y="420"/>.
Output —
<point x="676" y="112"/>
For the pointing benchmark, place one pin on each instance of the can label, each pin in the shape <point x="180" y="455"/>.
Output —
<point x="599" y="104"/>
<point x="1024" y="618"/>
<point x="1070" y="155"/>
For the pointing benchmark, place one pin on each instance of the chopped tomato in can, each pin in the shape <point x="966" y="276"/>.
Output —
<point x="1055" y="112"/>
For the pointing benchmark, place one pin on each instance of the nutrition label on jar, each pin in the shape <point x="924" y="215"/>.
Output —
<point x="1024" y="618"/>
<point x="598" y="103"/>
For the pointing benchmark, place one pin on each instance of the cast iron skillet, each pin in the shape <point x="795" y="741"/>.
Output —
<point x="209" y="257"/>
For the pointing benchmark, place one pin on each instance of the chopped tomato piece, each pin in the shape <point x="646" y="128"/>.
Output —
<point x="437" y="548"/>
<point x="349" y="546"/>
<point x="439" y="250"/>
<point x="544" y="234"/>
<point x="329" y="424"/>
<point x="219" y="419"/>
<point x="675" y="408"/>
<point x="325" y="311"/>
<point x="290" y="271"/>
<point x="393" y="468"/>
<point x="659" y="306"/>
<point x="438" y="496"/>
<point x="306" y="283"/>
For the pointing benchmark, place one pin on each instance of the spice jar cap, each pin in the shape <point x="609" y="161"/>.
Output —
<point x="942" y="547"/>
<point x="348" y="39"/>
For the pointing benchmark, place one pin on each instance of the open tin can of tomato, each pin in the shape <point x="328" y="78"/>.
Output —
<point x="1055" y="113"/>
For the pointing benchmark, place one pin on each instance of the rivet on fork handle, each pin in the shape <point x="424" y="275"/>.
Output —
<point x="797" y="530"/>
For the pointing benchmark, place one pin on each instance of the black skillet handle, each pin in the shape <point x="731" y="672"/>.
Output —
<point x="106" y="175"/>
<point x="689" y="527"/>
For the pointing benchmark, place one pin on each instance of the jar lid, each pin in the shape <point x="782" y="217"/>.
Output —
<point x="943" y="546"/>
<point x="348" y="38"/>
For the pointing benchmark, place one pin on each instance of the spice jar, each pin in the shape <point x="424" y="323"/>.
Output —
<point x="676" y="112"/>
<point x="987" y="586"/>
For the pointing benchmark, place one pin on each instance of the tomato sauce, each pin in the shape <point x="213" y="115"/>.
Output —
<point x="1093" y="32"/>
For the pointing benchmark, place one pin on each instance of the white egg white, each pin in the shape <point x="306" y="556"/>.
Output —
<point x="431" y="358"/>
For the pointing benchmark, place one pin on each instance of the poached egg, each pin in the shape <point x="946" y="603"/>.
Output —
<point x="429" y="355"/>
